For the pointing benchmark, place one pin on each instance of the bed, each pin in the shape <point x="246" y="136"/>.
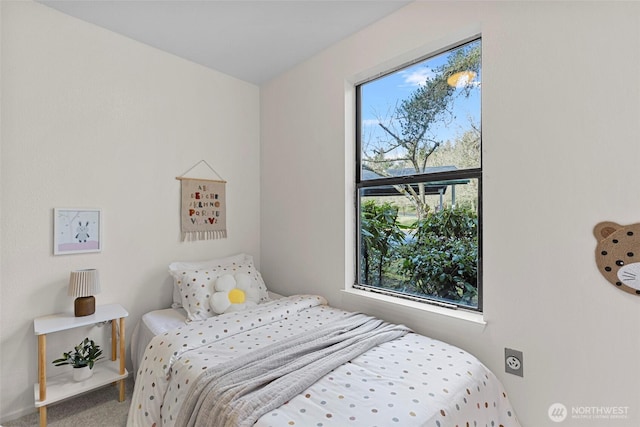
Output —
<point x="296" y="361"/>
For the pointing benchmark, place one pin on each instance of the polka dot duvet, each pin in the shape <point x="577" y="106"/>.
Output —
<point x="405" y="380"/>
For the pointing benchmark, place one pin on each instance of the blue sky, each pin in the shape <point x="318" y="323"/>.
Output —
<point x="379" y="98"/>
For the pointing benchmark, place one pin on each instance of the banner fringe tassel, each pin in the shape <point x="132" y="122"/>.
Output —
<point x="203" y="235"/>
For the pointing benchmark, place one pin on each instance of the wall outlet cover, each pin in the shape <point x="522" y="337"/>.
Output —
<point x="513" y="362"/>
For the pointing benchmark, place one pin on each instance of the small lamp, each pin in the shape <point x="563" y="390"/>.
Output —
<point x="84" y="284"/>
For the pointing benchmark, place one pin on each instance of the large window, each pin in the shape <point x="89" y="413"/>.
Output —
<point x="419" y="180"/>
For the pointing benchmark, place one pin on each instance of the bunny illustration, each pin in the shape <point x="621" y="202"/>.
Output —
<point x="83" y="232"/>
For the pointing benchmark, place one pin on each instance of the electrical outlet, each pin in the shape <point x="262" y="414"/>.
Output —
<point x="513" y="362"/>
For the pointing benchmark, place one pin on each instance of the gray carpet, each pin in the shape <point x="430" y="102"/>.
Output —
<point x="99" y="407"/>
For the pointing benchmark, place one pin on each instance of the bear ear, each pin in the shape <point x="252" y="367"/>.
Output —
<point x="605" y="229"/>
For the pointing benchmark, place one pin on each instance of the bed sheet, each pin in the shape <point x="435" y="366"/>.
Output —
<point x="411" y="381"/>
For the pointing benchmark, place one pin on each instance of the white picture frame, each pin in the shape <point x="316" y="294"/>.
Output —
<point x="77" y="231"/>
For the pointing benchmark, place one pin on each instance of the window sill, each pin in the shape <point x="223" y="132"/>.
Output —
<point x="459" y="314"/>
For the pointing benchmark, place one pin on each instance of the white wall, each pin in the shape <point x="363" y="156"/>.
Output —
<point x="92" y="119"/>
<point x="561" y="102"/>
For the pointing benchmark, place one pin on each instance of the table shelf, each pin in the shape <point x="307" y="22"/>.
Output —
<point x="63" y="386"/>
<point x="63" y="321"/>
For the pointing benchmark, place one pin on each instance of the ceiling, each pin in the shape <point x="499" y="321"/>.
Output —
<point x="251" y="40"/>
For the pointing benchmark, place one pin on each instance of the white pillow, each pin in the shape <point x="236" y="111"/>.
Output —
<point x="234" y="293"/>
<point x="198" y="265"/>
<point x="195" y="286"/>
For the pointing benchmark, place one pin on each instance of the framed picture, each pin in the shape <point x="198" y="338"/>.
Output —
<point x="77" y="231"/>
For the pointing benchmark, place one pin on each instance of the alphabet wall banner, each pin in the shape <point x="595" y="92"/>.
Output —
<point x="203" y="209"/>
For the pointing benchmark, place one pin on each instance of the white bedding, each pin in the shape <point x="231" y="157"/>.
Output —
<point x="153" y="323"/>
<point x="157" y="322"/>
<point x="413" y="380"/>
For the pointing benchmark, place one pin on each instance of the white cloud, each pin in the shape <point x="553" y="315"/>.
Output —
<point x="370" y="122"/>
<point x="417" y="77"/>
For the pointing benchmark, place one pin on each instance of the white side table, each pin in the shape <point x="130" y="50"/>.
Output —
<point x="59" y="387"/>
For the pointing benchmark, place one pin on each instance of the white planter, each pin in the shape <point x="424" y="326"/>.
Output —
<point x="81" y="374"/>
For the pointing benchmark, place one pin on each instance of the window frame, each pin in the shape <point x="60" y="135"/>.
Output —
<point x="471" y="173"/>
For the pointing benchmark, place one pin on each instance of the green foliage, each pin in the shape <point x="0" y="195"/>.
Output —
<point x="84" y="354"/>
<point x="437" y="257"/>
<point x="380" y="230"/>
<point x="442" y="259"/>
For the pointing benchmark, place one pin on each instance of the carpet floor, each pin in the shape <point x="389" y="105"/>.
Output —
<point x="99" y="407"/>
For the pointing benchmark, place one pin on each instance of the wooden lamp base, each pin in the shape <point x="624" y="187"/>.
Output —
<point x="84" y="306"/>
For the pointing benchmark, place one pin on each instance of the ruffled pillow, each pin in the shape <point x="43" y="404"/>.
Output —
<point x="234" y="293"/>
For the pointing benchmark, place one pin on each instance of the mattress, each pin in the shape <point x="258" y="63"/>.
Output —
<point x="411" y="380"/>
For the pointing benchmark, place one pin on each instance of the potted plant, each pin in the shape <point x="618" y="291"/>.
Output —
<point x="82" y="358"/>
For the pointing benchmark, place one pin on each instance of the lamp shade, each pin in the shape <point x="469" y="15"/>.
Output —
<point x="84" y="283"/>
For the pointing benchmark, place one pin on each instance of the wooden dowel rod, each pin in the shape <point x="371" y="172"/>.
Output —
<point x="179" y="178"/>
<point x="122" y="342"/>
<point x="42" y="366"/>
<point x="114" y="340"/>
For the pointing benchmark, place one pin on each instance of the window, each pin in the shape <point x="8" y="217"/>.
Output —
<point x="419" y="180"/>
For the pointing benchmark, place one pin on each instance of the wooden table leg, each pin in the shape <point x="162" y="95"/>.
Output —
<point x="42" y="376"/>
<point x="122" y="361"/>
<point x="43" y="416"/>
<point x="114" y="340"/>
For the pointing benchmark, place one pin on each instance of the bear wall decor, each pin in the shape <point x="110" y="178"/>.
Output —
<point x="618" y="254"/>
